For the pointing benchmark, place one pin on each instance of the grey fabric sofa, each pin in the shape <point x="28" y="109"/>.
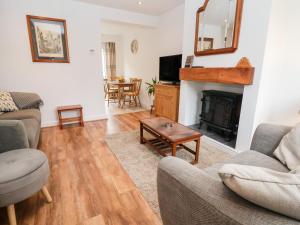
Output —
<point x="21" y="129"/>
<point x="190" y="196"/>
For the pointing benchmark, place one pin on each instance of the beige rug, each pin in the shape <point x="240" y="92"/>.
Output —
<point x="141" y="162"/>
<point x="114" y="109"/>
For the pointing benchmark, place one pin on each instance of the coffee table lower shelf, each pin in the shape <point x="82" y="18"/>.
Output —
<point x="163" y="145"/>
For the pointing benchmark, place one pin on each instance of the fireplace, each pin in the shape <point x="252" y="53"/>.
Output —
<point x="221" y="112"/>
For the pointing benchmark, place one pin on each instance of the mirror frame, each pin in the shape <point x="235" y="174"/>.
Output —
<point x="236" y="33"/>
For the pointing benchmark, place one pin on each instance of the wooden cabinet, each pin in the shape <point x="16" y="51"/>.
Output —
<point x="167" y="101"/>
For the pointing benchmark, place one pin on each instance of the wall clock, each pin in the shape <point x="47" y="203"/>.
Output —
<point x="134" y="46"/>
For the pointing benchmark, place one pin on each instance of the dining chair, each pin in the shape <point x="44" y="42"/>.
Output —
<point x="134" y="93"/>
<point x="111" y="93"/>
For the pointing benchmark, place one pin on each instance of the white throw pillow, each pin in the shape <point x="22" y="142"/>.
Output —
<point x="296" y="170"/>
<point x="288" y="151"/>
<point x="7" y="104"/>
<point x="276" y="191"/>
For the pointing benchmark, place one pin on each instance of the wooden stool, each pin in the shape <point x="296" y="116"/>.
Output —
<point x="62" y="120"/>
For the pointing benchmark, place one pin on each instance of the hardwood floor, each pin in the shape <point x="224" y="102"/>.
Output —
<point x="87" y="183"/>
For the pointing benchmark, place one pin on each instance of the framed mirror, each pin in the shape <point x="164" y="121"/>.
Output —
<point x="218" y="25"/>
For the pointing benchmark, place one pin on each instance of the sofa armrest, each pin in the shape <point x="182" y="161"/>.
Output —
<point x="12" y="135"/>
<point x="25" y="100"/>
<point x="267" y="137"/>
<point x="190" y="196"/>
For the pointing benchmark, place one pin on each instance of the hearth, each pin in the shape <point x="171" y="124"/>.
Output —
<point x="221" y="112"/>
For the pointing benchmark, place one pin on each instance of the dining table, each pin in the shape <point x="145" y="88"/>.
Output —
<point x="121" y="86"/>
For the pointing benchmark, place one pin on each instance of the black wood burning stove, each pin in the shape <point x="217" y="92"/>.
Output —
<point x="221" y="112"/>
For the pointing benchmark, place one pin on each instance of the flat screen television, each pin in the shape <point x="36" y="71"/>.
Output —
<point x="169" y="67"/>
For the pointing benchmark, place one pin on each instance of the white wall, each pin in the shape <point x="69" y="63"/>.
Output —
<point x="252" y="45"/>
<point x="170" y="32"/>
<point x="279" y="99"/>
<point x="58" y="84"/>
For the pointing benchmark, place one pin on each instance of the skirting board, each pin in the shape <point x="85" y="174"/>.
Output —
<point x="207" y="141"/>
<point x="86" y="119"/>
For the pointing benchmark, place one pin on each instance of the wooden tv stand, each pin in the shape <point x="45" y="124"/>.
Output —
<point x="167" y="101"/>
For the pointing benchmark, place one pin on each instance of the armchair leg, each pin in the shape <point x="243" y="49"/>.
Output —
<point x="46" y="194"/>
<point x="11" y="215"/>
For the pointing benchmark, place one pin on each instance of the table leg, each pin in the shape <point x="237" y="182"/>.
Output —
<point x="197" y="152"/>
<point x="174" y="149"/>
<point x="142" y="134"/>
<point x="81" y="118"/>
<point x="121" y="97"/>
<point x="60" y="120"/>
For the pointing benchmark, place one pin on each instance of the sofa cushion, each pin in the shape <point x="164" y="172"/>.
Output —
<point x="268" y="188"/>
<point x="23" y="173"/>
<point x="22" y="114"/>
<point x="288" y="151"/>
<point x="26" y="100"/>
<point x="33" y="131"/>
<point x="267" y="137"/>
<point x="251" y="158"/>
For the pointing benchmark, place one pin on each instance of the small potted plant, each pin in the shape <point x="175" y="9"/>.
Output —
<point x="151" y="91"/>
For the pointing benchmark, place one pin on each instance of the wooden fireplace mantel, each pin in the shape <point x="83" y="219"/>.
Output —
<point x="242" y="74"/>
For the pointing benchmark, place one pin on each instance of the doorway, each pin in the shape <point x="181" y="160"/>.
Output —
<point x="117" y="85"/>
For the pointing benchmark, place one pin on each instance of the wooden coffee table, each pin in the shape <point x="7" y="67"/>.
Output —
<point x="169" y="135"/>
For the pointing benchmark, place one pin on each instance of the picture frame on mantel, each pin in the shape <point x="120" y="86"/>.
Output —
<point x="189" y="61"/>
<point x="48" y="39"/>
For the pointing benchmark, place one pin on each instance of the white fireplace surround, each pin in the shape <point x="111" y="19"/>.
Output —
<point x="274" y="95"/>
<point x="195" y="94"/>
<point x="250" y="46"/>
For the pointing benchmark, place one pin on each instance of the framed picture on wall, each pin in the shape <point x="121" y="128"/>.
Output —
<point x="48" y="39"/>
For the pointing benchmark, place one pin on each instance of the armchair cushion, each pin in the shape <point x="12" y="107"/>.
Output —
<point x="12" y="135"/>
<point x="23" y="173"/>
<point x="18" y="163"/>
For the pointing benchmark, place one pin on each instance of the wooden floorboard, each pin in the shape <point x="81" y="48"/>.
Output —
<point x="87" y="183"/>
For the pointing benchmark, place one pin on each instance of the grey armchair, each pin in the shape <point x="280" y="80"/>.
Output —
<point x="24" y="170"/>
<point x="21" y="129"/>
<point x="190" y="196"/>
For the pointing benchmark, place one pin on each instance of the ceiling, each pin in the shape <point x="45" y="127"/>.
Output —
<point x="151" y="7"/>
